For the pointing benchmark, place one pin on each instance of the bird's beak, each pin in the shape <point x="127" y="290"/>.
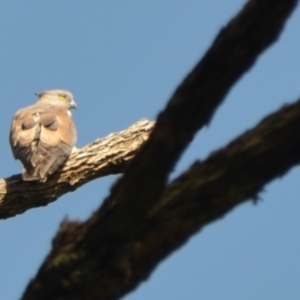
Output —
<point x="73" y="104"/>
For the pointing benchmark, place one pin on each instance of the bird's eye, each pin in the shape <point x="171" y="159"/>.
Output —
<point x="62" y="96"/>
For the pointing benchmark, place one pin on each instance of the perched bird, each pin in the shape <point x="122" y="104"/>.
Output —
<point x="42" y="136"/>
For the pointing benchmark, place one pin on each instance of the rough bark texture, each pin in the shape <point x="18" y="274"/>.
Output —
<point x="142" y="220"/>
<point x="101" y="158"/>
<point x="89" y="261"/>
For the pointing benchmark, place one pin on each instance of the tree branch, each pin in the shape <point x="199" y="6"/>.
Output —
<point x="137" y="226"/>
<point x="89" y="261"/>
<point x="233" y="52"/>
<point x="101" y="158"/>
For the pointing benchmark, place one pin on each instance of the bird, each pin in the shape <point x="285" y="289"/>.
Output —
<point x="43" y="135"/>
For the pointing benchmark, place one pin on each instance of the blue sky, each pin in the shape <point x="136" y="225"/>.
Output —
<point x="122" y="60"/>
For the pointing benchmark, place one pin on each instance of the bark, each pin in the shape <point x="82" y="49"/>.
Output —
<point x="90" y="261"/>
<point x="144" y="220"/>
<point x="101" y="158"/>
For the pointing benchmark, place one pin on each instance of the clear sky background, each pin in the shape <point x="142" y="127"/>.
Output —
<point x="122" y="60"/>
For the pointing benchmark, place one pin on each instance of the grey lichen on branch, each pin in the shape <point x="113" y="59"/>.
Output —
<point x="100" y="158"/>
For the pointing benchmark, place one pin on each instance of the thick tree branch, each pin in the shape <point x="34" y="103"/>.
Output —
<point x="102" y="157"/>
<point x="88" y="261"/>
<point x="233" y="52"/>
<point x="123" y="241"/>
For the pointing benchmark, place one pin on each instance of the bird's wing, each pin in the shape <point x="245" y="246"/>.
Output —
<point x="42" y="137"/>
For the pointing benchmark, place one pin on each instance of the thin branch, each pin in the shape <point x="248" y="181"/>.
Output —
<point x="101" y="158"/>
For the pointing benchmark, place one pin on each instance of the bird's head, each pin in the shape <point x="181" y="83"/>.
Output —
<point x="60" y="97"/>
